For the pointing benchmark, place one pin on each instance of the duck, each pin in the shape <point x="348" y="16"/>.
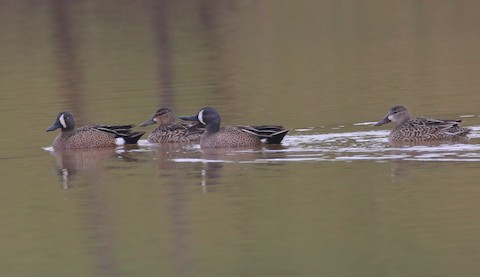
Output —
<point x="89" y="136"/>
<point x="234" y="136"/>
<point x="170" y="130"/>
<point x="421" y="129"/>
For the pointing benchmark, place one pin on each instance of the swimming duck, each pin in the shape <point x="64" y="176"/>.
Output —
<point x="170" y="130"/>
<point x="234" y="136"/>
<point x="421" y="129"/>
<point x="91" y="136"/>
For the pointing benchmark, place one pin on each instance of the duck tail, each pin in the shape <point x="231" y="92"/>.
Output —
<point x="273" y="134"/>
<point x="132" y="138"/>
<point x="276" y="138"/>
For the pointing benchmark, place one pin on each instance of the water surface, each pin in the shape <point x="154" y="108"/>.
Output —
<point x="335" y="199"/>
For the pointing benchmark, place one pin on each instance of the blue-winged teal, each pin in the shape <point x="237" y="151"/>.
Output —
<point x="92" y="136"/>
<point x="421" y="129"/>
<point x="171" y="130"/>
<point x="233" y="136"/>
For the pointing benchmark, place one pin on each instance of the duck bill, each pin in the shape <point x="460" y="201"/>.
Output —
<point x="385" y="120"/>
<point x="148" y="122"/>
<point x="189" y="118"/>
<point x="54" y="127"/>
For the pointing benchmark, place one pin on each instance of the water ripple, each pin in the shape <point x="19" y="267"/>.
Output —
<point x="352" y="146"/>
<point x="309" y="145"/>
<point x="374" y="146"/>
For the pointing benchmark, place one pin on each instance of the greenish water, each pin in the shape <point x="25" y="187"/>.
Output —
<point x="335" y="200"/>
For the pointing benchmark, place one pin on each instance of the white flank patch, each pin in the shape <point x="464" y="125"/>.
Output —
<point x="200" y="117"/>
<point x="62" y="121"/>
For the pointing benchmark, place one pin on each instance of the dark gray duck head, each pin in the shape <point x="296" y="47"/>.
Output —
<point x="207" y="116"/>
<point x="65" y="121"/>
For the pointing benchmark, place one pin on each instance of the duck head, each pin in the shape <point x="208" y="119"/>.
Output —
<point x="397" y="114"/>
<point x="207" y="116"/>
<point x="65" y="121"/>
<point x="161" y="116"/>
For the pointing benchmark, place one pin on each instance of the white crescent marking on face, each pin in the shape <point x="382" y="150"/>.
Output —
<point x="390" y="117"/>
<point x="62" y="121"/>
<point x="200" y="117"/>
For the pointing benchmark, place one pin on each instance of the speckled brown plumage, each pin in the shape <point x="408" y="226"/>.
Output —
<point x="91" y="136"/>
<point x="84" y="137"/>
<point x="176" y="132"/>
<point x="421" y="129"/>
<point x="170" y="130"/>
<point x="229" y="137"/>
<point x="234" y="136"/>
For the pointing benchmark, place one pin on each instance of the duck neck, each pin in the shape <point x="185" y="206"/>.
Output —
<point x="66" y="133"/>
<point x="213" y="126"/>
<point x="169" y="118"/>
<point x="405" y="118"/>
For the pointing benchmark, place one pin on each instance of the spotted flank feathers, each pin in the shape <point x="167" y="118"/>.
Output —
<point x="234" y="136"/>
<point x="170" y="130"/>
<point x="421" y="129"/>
<point x="91" y="136"/>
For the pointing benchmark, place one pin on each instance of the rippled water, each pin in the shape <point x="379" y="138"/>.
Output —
<point x="335" y="199"/>
<point x="321" y="198"/>
<point x="313" y="144"/>
<point x="374" y="146"/>
<point x="303" y="145"/>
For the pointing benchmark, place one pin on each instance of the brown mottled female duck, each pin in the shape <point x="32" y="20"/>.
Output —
<point x="421" y="129"/>
<point x="170" y="130"/>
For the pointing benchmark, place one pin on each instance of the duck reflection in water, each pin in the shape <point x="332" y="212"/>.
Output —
<point x="414" y="154"/>
<point x="215" y="161"/>
<point x="166" y="154"/>
<point x="210" y="174"/>
<point x="87" y="163"/>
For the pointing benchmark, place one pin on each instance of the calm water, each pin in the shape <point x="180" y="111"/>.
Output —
<point x="334" y="200"/>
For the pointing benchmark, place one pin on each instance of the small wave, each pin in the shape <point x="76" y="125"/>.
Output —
<point x="355" y="146"/>
<point x="303" y="146"/>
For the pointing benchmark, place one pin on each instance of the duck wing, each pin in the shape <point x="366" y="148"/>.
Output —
<point x="118" y="131"/>
<point x="450" y="127"/>
<point x="274" y="134"/>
